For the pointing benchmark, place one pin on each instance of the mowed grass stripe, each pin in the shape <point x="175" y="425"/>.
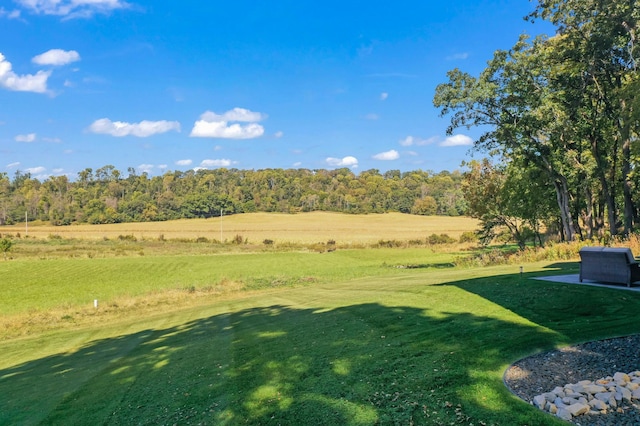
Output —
<point x="41" y="285"/>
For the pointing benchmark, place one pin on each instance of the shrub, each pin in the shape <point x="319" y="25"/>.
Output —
<point x="389" y="243"/>
<point x="468" y="237"/>
<point x="434" y="239"/>
<point x="202" y="240"/>
<point x="128" y="237"/>
<point x="237" y="239"/>
<point x="5" y="246"/>
<point x="267" y="242"/>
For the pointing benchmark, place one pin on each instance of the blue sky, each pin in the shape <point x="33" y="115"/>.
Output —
<point x="178" y="85"/>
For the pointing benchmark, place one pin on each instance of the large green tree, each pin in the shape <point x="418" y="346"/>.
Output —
<point x="514" y="100"/>
<point x="564" y="105"/>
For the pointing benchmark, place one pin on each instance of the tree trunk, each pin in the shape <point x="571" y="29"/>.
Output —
<point x="588" y="218"/>
<point x="563" y="198"/>
<point x="629" y="210"/>
<point x="606" y="190"/>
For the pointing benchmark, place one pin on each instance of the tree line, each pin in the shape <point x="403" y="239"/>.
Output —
<point x="560" y="117"/>
<point x="104" y="195"/>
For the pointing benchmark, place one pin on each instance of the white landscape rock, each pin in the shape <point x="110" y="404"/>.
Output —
<point x="598" y="396"/>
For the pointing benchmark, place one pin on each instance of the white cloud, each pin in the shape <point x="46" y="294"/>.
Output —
<point x="30" y="137"/>
<point x="212" y="125"/>
<point x="412" y="140"/>
<point x="12" y="165"/>
<point x="162" y="166"/>
<point x="220" y="129"/>
<point x="388" y="155"/>
<point x="35" y="170"/>
<point x="184" y="162"/>
<point x="297" y="164"/>
<point x="384" y="96"/>
<point x="216" y="163"/>
<point x="347" y="161"/>
<point x="372" y="116"/>
<point x="56" y="57"/>
<point x="457" y="140"/>
<point x="22" y="83"/>
<point x="142" y="129"/>
<point x="72" y="8"/>
<point x="145" y="168"/>
<point x="279" y="134"/>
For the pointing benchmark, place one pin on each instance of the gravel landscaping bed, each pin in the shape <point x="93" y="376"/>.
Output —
<point x="541" y="373"/>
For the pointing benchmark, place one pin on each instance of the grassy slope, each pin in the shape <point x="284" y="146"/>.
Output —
<point x="426" y="346"/>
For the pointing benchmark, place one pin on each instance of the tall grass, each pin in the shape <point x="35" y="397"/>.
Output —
<point x="302" y="228"/>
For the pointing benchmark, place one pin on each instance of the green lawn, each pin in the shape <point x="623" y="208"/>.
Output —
<point x="364" y="344"/>
<point x="29" y="285"/>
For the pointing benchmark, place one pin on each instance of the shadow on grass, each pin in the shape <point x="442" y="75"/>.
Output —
<point x="353" y="365"/>
<point x="577" y="313"/>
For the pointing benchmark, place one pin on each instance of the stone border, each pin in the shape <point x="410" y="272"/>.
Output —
<point x="591" y="397"/>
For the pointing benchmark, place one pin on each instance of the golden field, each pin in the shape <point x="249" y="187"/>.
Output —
<point x="301" y="228"/>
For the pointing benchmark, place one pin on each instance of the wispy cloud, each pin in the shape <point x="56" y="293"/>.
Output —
<point x="35" y="170"/>
<point x="184" y="162"/>
<point x="457" y="56"/>
<point x="416" y="141"/>
<point x="391" y="75"/>
<point x="384" y="96"/>
<point x="30" y="137"/>
<point x="145" y="168"/>
<point x="52" y="140"/>
<point x="142" y="129"/>
<point x="11" y="14"/>
<point x="223" y="162"/>
<point x="72" y="8"/>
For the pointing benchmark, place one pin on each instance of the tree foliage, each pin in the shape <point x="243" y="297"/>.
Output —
<point x="563" y="109"/>
<point x="106" y="196"/>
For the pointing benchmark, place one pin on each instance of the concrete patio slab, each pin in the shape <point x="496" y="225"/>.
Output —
<point x="575" y="279"/>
